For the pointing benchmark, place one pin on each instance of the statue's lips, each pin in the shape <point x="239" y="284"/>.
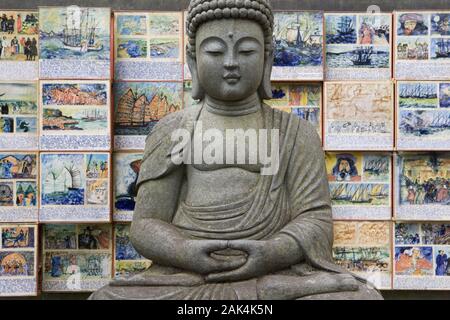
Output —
<point x="232" y="78"/>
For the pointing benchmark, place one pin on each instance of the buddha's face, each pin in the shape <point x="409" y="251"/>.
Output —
<point x="230" y="58"/>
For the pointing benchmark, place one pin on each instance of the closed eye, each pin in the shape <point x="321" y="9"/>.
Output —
<point x="247" y="52"/>
<point x="214" y="52"/>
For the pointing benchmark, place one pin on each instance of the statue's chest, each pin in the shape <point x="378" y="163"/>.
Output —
<point x="220" y="141"/>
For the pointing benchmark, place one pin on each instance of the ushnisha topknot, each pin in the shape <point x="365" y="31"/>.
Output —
<point x="201" y="11"/>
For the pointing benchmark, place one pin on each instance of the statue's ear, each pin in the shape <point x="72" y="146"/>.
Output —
<point x="197" y="90"/>
<point x="265" y="89"/>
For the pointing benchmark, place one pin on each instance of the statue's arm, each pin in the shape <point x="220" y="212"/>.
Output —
<point x="152" y="233"/>
<point x="311" y="224"/>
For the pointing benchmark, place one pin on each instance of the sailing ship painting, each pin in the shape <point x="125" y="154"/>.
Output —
<point x="362" y="259"/>
<point x="358" y="42"/>
<point x="418" y="95"/>
<point x="341" y="29"/>
<point x="140" y="105"/>
<point x="377" y="168"/>
<point x="75" y="106"/>
<point x="298" y="39"/>
<point x="359" y="194"/>
<point x="423" y="123"/>
<point x="74" y="33"/>
<point x="440" y="48"/>
<point x="358" y="178"/>
<point x="75" y="119"/>
<point x="363" y="56"/>
<point x="423" y="113"/>
<point x="79" y="34"/>
<point x="354" y="56"/>
<point x="63" y="179"/>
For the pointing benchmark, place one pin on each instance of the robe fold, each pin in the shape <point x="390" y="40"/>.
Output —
<point x="295" y="201"/>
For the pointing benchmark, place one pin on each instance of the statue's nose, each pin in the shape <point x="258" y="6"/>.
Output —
<point x="231" y="62"/>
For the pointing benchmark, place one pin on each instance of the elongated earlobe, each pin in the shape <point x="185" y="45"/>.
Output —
<point x="265" y="89"/>
<point x="197" y="91"/>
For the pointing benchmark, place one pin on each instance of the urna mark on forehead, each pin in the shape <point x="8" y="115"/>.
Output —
<point x="230" y="31"/>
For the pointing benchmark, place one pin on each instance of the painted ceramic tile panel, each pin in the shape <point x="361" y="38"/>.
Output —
<point x="298" y="37"/>
<point x="126" y="170"/>
<point x="76" y="257"/>
<point x="358" y="46"/>
<point x="75" y="115"/>
<point x="360" y="185"/>
<point x="149" y="45"/>
<point x="19" y="33"/>
<point x="128" y="262"/>
<point x="359" y="116"/>
<point x="302" y="99"/>
<point x="422" y="45"/>
<point x="422" y="186"/>
<point x="422" y="255"/>
<point x="18" y="187"/>
<point x="423" y="113"/>
<point x="18" y="264"/>
<point x="364" y="249"/>
<point x="74" y="43"/>
<point x="18" y="115"/>
<point x="139" y="106"/>
<point x="74" y="187"/>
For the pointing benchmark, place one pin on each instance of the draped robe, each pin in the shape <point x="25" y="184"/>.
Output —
<point x="295" y="201"/>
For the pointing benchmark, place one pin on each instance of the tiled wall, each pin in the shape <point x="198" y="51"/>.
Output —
<point x="375" y="87"/>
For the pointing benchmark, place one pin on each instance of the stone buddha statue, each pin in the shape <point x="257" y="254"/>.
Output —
<point x="232" y="229"/>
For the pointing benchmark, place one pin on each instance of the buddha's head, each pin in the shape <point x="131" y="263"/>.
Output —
<point x="230" y="48"/>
